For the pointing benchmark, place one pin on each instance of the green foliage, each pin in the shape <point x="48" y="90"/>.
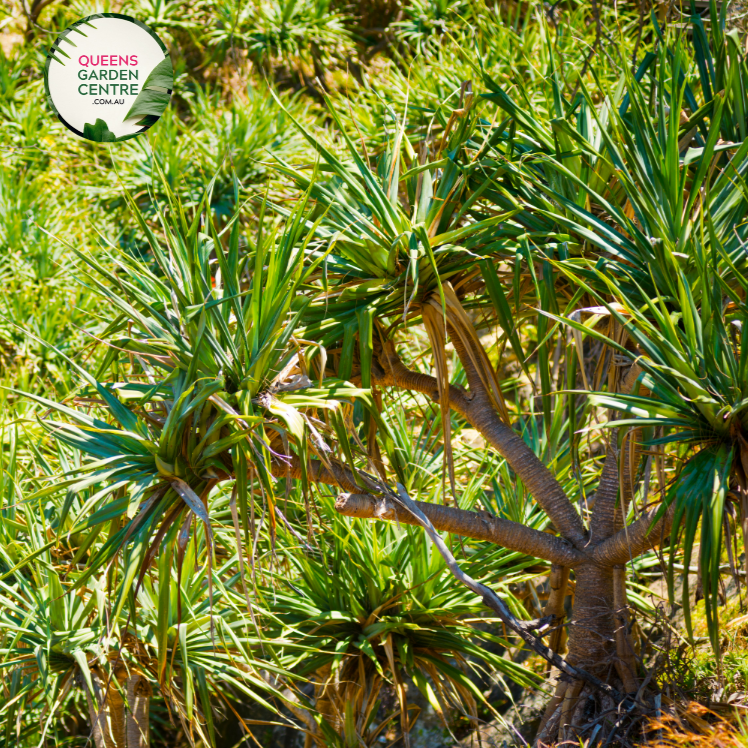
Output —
<point x="193" y="315"/>
<point x="58" y="626"/>
<point x="99" y="132"/>
<point x="362" y="629"/>
<point x="426" y="21"/>
<point x="154" y="94"/>
<point x="296" y="32"/>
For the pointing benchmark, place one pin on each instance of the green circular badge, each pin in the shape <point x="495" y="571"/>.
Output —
<point x="108" y="77"/>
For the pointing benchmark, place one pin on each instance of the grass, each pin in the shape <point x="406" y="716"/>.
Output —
<point x="244" y="73"/>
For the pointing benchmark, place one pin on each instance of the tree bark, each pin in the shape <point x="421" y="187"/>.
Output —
<point x="591" y="629"/>
<point x="139" y="694"/>
<point x="106" y="709"/>
<point x="630" y="542"/>
<point x="599" y="646"/>
<point x="558" y="581"/>
<point x="480" y="526"/>
<point x="616" y="488"/>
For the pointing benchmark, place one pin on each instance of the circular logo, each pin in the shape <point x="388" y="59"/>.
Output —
<point x="108" y="77"/>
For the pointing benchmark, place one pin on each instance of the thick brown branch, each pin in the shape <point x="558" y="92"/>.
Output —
<point x="396" y="374"/>
<point x="480" y="526"/>
<point x="606" y="514"/>
<point x="635" y="539"/>
<point x="538" y="479"/>
<point x="336" y="475"/>
<point x="479" y="412"/>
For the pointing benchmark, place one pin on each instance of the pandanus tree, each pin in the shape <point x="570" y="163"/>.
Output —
<point x="613" y="229"/>
<point x="174" y="457"/>
<point x="599" y="234"/>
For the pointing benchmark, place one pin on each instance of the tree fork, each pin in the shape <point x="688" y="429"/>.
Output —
<point x="524" y="629"/>
<point x="633" y="540"/>
<point x="592" y="629"/>
<point x="600" y="650"/>
<point x="478" y="410"/>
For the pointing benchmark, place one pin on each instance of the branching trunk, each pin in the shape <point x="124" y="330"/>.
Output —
<point x="600" y="653"/>
<point x="640" y="536"/>
<point x="479" y="412"/>
<point x="526" y="630"/>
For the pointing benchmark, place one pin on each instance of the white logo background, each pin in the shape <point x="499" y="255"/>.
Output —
<point x="103" y="36"/>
